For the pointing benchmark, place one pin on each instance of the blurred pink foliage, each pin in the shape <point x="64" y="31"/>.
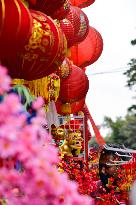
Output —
<point x="39" y="183"/>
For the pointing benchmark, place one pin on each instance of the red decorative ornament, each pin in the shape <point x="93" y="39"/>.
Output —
<point x="68" y="30"/>
<point x="15" y="26"/>
<point x="84" y="25"/>
<point x="89" y="50"/>
<point x="74" y="18"/>
<point x="69" y="108"/>
<point x="74" y="87"/>
<point x="82" y="3"/>
<point x="42" y="54"/>
<point x="65" y="68"/>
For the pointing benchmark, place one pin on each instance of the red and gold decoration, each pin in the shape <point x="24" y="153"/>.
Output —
<point x="42" y="54"/>
<point x="89" y="50"/>
<point x="69" y="108"/>
<point x="15" y="27"/>
<point x="65" y="68"/>
<point x="58" y="133"/>
<point x="47" y="87"/>
<point x="74" y="87"/>
<point x="72" y="144"/>
<point x="69" y="136"/>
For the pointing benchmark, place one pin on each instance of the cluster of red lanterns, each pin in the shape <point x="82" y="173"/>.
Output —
<point x="36" y="40"/>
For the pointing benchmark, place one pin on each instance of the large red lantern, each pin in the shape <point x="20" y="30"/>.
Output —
<point x="15" y="26"/>
<point x="89" y="50"/>
<point x="42" y="54"/>
<point x="82" y="3"/>
<point x="69" y="108"/>
<point x="74" y="87"/>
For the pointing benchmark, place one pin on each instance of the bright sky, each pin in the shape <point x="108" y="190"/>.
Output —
<point x="116" y="21"/>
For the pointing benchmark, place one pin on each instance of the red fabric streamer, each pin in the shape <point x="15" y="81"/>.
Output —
<point x="99" y="138"/>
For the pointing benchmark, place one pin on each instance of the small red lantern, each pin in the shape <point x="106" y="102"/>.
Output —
<point x="69" y="108"/>
<point x="74" y="18"/>
<point x="15" y="26"/>
<point x="74" y="87"/>
<point x="89" y="50"/>
<point x="68" y="30"/>
<point x="42" y="54"/>
<point x="82" y="3"/>
<point x="84" y="25"/>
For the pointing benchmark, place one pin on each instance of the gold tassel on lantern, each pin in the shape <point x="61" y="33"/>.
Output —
<point x="47" y="87"/>
<point x="39" y="87"/>
<point x="66" y="108"/>
<point x="56" y="88"/>
<point x="18" y="82"/>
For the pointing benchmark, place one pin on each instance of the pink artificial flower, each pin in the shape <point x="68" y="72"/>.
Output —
<point x="4" y="80"/>
<point x="38" y="103"/>
<point x="38" y="182"/>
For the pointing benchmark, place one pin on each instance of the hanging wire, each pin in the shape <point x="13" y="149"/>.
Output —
<point x="110" y="71"/>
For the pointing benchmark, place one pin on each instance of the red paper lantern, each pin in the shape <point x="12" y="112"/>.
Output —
<point x="84" y="25"/>
<point x="15" y="26"/>
<point x="74" y="18"/>
<point x="68" y="30"/>
<point x="89" y="50"/>
<point x="42" y="54"/>
<point x="69" y="108"/>
<point x="74" y="87"/>
<point x="82" y="3"/>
